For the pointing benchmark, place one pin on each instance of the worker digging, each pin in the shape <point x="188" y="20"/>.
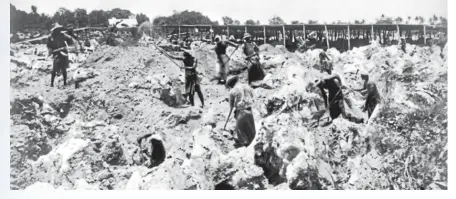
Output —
<point x="292" y="105"/>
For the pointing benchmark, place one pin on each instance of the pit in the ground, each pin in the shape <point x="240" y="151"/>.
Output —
<point x="224" y="186"/>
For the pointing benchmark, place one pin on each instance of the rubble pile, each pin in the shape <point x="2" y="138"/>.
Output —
<point x="127" y="125"/>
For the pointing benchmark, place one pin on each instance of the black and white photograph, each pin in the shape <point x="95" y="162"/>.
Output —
<point x="228" y="95"/>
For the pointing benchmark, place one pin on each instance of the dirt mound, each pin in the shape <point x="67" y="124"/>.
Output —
<point x="89" y="137"/>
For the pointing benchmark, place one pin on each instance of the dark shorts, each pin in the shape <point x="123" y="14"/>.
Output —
<point x="371" y="104"/>
<point x="337" y="107"/>
<point x="61" y="63"/>
<point x="255" y="71"/>
<point x="191" y="82"/>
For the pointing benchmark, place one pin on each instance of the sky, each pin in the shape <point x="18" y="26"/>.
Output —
<point x="242" y="10"/>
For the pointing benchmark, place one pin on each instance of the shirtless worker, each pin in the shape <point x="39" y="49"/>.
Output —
<point x="222" y="59"/>
<point x="403" y="44"/>
<point x="191" y="77"/>
<point x="335" y="99"/>
<point x="57" y="45"/>
<point x="373" y="96"/>
<point x="255" y="70"/>
<point x="241" y="99"/>
<point x="325" y="65"/>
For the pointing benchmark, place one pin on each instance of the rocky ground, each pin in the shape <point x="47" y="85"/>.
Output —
<point x="88" y="137"/>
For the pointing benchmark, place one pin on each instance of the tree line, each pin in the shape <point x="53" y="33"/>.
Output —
<point x="23" y="21"/>
<point x="32" y="21"/>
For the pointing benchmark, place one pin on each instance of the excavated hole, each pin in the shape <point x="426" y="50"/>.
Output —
<point x="158" y="153"/>
<point x="63" y="108"/>
<point x="224" y="186"/>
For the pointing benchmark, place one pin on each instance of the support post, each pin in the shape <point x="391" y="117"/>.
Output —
<point x="264" y="34"/>
<point x="349" y="36"/>
<point x="425" y="36"/>
<point x="211" y="34"/>
<point x="327" y="38"/>
<point x="398" y="32"/>
<point x="227" y="31"/>
<point x="304" y="32"/>
<point x="179" y="33"/>
<point x="245" y="29"/>
<point x="283" y="35"/>
<point x="372" y="33"/>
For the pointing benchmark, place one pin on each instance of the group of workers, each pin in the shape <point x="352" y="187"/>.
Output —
<point x="240" y="94"/>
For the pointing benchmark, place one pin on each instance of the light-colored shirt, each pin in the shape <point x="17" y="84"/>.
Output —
<point x="241" y="96"/>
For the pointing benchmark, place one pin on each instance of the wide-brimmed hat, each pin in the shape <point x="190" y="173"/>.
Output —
<point x="218" y="37"/>
<point x="56" y="26"/>
<point x="247" y="35"/>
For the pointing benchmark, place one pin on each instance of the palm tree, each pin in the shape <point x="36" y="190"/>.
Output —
<point x="408" y="19"/>
<point x="443" y="21"/>
<point x="34" y="9"/>
<point x="421" y="20"/>
<point x="398" y="20"/>
<point x="431" y="21"/>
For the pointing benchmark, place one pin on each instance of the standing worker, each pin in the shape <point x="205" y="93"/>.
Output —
<point x="255" y="70"/>
<point x="222" y="59"/>
<point x="57" y="45"/>
<point x="241" y="99"/>
<point x="403" y="44"/>
<point x="192" y="83"/>
<point x="373" y="96"/>
<point x="325" y="65"/>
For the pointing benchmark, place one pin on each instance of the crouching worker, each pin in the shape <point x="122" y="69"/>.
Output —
<point x="334" y="101"/>
<point x="241" y="99"/>
<point x="192" y="83"/>
<point x="57" y="45"/>
<point x="270" y="162"/>
<point x="373" y="96"/>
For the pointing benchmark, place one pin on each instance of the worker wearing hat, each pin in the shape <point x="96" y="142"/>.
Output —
<point x="373" y="96"/>
<point x="251" y="50"/>
<point x="223" y="61"/>
<point x="192" y="83"/>
<point x="57" y="45"/>
<point x="241" y="100"/>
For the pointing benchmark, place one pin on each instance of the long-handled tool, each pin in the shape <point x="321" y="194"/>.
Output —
<point x="229" y="57"/>
<point x="166" y="54"/>
<point x="228" y="119"/>
<point x="320" y="114"/>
